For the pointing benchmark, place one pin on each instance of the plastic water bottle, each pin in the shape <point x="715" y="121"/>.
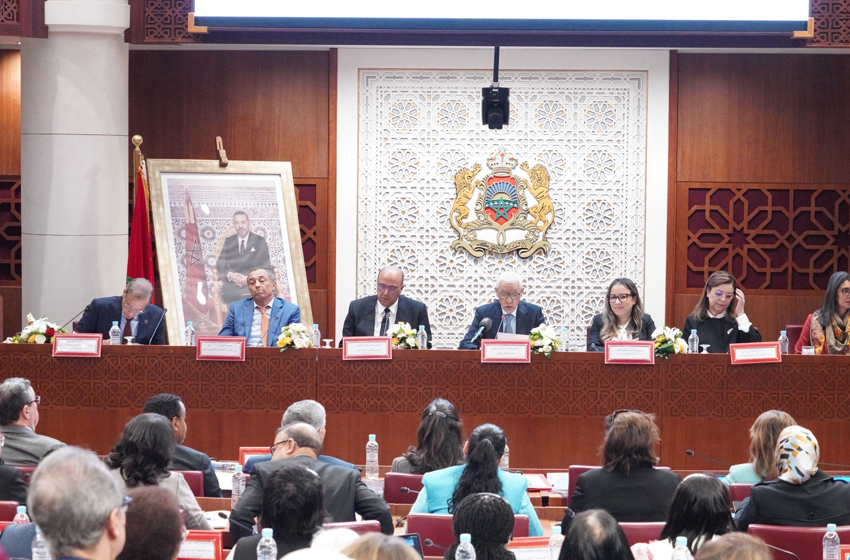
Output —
<point x="506" y="458"/>
<point x="238" y="486"/>
<point x="555" y="542"/>
<point x="681" y="551"/>
<point x="21" y="518"/>
<point x="372" y="458"/>
<point x="783" y="342"/>
<point x="422" y="338"/>
<point x="267" y="548"/>
<point x="316" y="336"/>
<point x="565" y="339"/>
<point x="115" y="334"/>
<point x="189" y="334"/>
<point x="39" y="546"/>
<point x="831" y="543"/>
<point x="465" y="550"/>
<point x="693" y="342"/>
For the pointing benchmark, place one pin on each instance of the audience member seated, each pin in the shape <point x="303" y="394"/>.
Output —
<point x="445" y="488"/>
<point x="764" y="434"/>
<point x="376" y="546"/>
<point x="719" y="316"/>
<point x="826" y="329"/>
<point x="623" y="318"/>
<point x="803" y="495"/>
<point x="344" y="494"/>
<point x="700" y="512"/>
<point x="438" y="441"/>
<point x="334" y="539"/>
<point x="185" y="458"/>
<point x="155" y="527"/>
<point x="12" y="485"/>
<point x="141" y="458"/>
<point x="595" y="535"/>
<point x="735" y="546"/>
<point x="489" y="520"/>
<point x="18" y="419"/>
<point x="627" y="486"/>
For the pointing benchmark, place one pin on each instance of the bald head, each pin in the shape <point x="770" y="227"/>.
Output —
<point x="390" y="285"/>
<point x="297" y="439"/>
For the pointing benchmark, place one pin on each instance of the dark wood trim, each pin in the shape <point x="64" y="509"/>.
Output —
<point x="672" y="149"/>
<point x="32" y="19"/>
<point x="135" y="34"/>
<point x="10" y="29"/>
<point x="333" y="62"/>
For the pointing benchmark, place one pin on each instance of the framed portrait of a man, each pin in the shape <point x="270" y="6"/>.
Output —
<point x="214" y="225"/>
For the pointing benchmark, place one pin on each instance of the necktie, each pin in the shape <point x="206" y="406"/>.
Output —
<point x="264" y="324"/>
<point x="385" y="322"/>
<point x="509" y="323"/>
<point x="128" y="331"/>
<point x="242" y="247"/>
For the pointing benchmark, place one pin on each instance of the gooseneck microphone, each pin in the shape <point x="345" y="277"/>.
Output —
<point x="406" y="490"/>
<point x="429" y="542"/>
<point x="231" y="520"/>
<point x="484" y="325"/>
<point x="788" y="552"/>
<point x="86" y="308"/>
<point x="153" y="334"/>
<point x="706" y="457"/>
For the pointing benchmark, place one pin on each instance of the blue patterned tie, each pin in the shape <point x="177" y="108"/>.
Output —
<point x="509" y="323"/>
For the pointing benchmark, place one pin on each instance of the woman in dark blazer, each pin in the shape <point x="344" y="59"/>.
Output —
<point x="12" y="485"/>
<point x="719" y="317"/>
<point x="623" y="318"/>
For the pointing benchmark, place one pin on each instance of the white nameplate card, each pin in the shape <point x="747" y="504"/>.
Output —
<point x="755" y="353"/>
<point x="367" y="348"/>
<point x="77" y="345"/>
<point x="505" y="351"/>
<point x="205" y="545"/>
<point x="225" y="348"/>
<point x="530" y="548"/>
<point x="629" y="352"/>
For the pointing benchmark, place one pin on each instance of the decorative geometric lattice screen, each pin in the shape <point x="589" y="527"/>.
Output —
<point x="417" y="128"/>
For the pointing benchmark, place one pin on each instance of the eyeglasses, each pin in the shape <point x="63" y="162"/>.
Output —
<point x="276" y="445"/>
<point x="125" y="501"/>
<point x="844" y="292"/>
<point x="621" y="298"/>
<point x="721" y="295"/>
<point x="509" y="296"/>
<point x="2" y="440"/>
<point x="36" y="400"/>
<point x="385" y="288"/>
<point x="132" y="309"/>
<point x="620" y="411"/>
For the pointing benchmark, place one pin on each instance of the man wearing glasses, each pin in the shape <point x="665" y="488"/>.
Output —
<point x="373" y="315"/>
<point x="133" y="310"/>
<point x="508" y="314"/>
<point x="18" y="419"/>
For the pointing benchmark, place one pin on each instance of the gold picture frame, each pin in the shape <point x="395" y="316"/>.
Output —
<point x="190" y="235"/>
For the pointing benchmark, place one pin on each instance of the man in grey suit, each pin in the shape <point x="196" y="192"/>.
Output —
<point x="372" y="315"/>
<point x="343" y="492"/>
<point x="18" y="419"/>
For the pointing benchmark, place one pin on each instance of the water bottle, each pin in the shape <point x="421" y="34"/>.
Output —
<point x="831" y="543"/>
<point x="783" y="342"/>
<point x="506" y="458"/>
<point x="693" y="342"/>
<point x="189" y="334"/>
<point x="465" y="550"/>
<point x="267" y="548"/>
<point x="681" y="551"/>
<point x="565" y="339"/>
<point x="115" y="334"/>
<point x="555" y="542"/>
<point x="39" y="546"/>
<point x="21" y="518"/>
<point x="372" y="458"/>
<point x="422" y="338"/>
<point x="238" y="486"/>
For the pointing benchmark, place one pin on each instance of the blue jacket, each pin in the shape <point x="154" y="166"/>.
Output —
<point x="241" y="315"/>
<point x="438" y="487"/>
<point x="252" y="462"/>
<point x="528" y="316"/>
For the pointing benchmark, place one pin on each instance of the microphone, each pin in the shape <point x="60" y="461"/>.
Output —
<point x="86" y="308"/>
<point x="484" y="325"/>
<point x="429" y="542"/>
<point x="231" y="520"/>
<point x="501" y="322"/>
<point x="153" y="334"/>
<point x="788" y="552"/>
<point x="406" y="490"/>
<point x="834" y="465"/>
<point x="706" y="457"/>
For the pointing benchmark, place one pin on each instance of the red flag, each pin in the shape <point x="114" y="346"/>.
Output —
<point x="197" y="302"/>
<point x="140" y="255"/>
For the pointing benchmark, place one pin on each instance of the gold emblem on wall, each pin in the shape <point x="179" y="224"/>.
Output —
<point x="502" y="212"/>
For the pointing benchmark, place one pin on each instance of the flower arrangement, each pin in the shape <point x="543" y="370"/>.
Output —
<point x="669" y="341"/>
<point x="37" y="331"/>
<point x="544" y="341"/>
<point x="404" y="337"/>
<point x="294" y="335"/>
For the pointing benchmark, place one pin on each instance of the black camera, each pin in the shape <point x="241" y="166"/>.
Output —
<point x="495" y="107"/>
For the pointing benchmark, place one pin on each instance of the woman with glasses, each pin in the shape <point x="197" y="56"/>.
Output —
<point x="623" y="318"/>
<point x="827" y="328"/>
<point x="719" y="317"/>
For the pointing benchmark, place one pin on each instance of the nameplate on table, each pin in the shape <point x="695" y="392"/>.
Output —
<point x="505" y="351"/>
<point x="367" y="348"/>
<point x="225" y="348"/>
<point x="205" y="545"/>
<point x="77" y="345"/>
<point x="629" y="352"/>
<point x="755" y="353"/>
<point x="530" y="548"/>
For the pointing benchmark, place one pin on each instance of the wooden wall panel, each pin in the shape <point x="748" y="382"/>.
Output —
<point x="10" y="112"/>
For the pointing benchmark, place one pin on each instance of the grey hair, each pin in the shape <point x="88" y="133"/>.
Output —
<point x="307" y="411"/>
<point x="140" y="288"/>
<point x="508" y="278"/>
<point x="268" y="271"/>
<point x="14" y="396"/>
<point x="71" y="497"/>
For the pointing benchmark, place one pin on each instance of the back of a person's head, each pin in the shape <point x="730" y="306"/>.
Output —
<point x="630" y="441"/>
<point x="489" y="520"/>
<point x="304" y="435"/>
<point x="595" y="535"/>
<point x="307" y="411"/>
<point x="292" y="503"/>
<point x="484" y="448"/>
<point x="165" y="404"/>
<point x="734" y="546"/>
<point x="14" y="394"/>
<point x="700" y="508"/>
<point x="154" y="525"/>
<point x="144" y="450"/>
<point x="377" y="546"/>
<point x="439" y="442"/>
<point x="764" y="434"/>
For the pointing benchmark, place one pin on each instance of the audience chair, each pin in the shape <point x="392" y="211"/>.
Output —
<point x="393" y="484"/>
<point x="8" y="509"/>
<point x="195" y="480"/>
<point x="793" y="333"/>
<point x="578" y="470"/>
<point x="359" y="527"/>
<point x="642" y="532"/>
<point x="26" y="473"/>
<point x="739" y="492"/>
<point x="805" y="542"/>
<point x="437" y="527"/>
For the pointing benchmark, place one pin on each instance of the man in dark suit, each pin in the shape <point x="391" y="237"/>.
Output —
<point x="240" y="254"/>
<point x="261" y="317"/>
<point x="508" y="314"/>
<point x="185" y="458"/>
<point x="18" y="419"/>
<point x="372" y="315"/>
<point x="343" y="492"/>
<point x="133" y="310"/>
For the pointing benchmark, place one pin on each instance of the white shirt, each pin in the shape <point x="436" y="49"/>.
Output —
<point x="623" y="333"/>
<point x="256" y="336"/>
<point x="743" y="321"/>
<point x="379" y="316"/>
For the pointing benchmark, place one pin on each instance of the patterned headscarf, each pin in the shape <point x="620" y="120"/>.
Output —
<point x="797" y="454"/>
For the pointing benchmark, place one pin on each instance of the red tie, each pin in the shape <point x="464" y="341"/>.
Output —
<point x="128" y="330"/>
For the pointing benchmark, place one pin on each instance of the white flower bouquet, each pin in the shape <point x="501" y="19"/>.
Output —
<point x="37" y="331"/>
<point x="669" y="341"/>
<point x="404" y="337"/>
<point x="544" y="340"/>
<point x="294" y="335"/>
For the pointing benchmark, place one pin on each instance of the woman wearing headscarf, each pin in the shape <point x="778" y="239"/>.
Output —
<point x="803" y="495"/>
